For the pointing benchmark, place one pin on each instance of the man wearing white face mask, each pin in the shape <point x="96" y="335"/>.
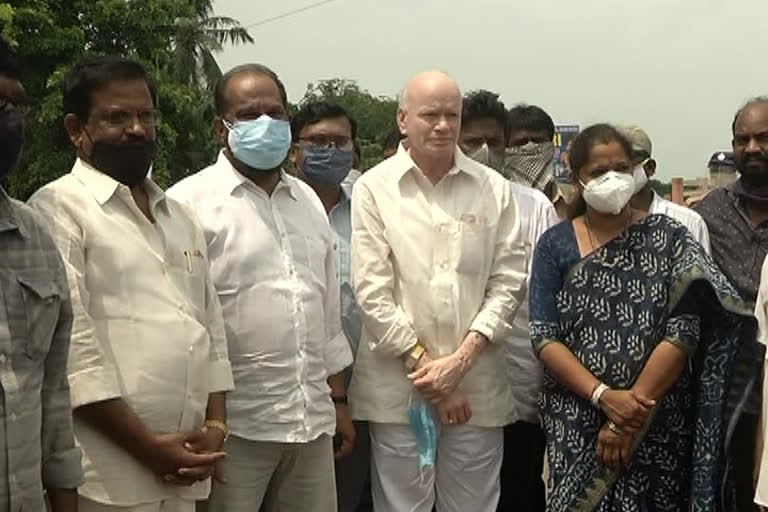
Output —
<point x="273" y="265"/>
<point x="646" y="199"/>
<point x="530" y="156"/>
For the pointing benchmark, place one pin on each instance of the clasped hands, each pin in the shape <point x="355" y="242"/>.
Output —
<point x="185" y="458"/>
<point x="438" y="380"/>
<point x="627" y="413"/>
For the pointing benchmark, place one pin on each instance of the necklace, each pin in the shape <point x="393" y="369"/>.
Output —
<point x="589" y="229"/>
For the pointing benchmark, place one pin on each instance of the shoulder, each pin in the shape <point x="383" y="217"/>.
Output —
<point x="194" y="187"/>
<point x="34" y="225"/>
<point x="680" y="212"/>
<point x="529" y="197"/>
<point x="713" y="202"/>
<point x="60" y="189"/>
<point x="558" y="236"/>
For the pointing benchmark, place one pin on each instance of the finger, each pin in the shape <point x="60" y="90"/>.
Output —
<point x="218" y="475"/>
<point x="420" y="372"/>
<point x="443" y="413"/>
<point x="460" y="416"/>
<point x="192" y="460"/>
<point x="643" y="400"/>
<point x="196" y="473"/>
<point x="625" y="454"/>
<point x="178" y="480"/>
<point x="468" y="412"/>
<point x="601" y="452"/>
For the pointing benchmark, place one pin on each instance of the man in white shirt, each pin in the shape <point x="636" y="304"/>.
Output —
<point x="646" y="199"/>
<point x="148" y="365"/>
<point x="439" y="269"/>
<point x="483" y="132"/>
<point x="272" y="262"/>
<point x="323" y="136"/>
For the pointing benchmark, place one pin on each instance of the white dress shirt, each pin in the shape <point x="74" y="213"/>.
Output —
<point x="272" y="263"/>
<point x="537" y="214"/>
<point x="761" y="313"/>
<point x="431" y="263"/>
<point x="147" y="325"/>
<point x="685" y="216"/>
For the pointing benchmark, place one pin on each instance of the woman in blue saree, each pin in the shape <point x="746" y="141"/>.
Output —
<point x="649" y="351"/>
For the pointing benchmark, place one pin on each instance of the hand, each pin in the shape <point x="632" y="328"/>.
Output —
<point x="208" y="440"/>
<point x="455" y="409"/>
<point x="628" y="410"/>
<point x="168" y="453"/>
<point x="613" y="450"/>
<point x="438" y="378"/>
<point x="346" y="429"/>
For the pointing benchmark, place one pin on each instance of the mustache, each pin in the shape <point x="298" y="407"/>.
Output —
<point x="755" y="158"/>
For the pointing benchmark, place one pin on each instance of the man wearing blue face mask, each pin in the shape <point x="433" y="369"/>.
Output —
<point x="273" y="265"/>
<point x="323" y="153"/>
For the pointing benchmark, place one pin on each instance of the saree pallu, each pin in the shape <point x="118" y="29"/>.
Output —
<point x="612" y="308"/>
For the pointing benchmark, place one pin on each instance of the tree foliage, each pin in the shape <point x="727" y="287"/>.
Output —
<point x="174" y="39"/>
<point x="375" y="115"/>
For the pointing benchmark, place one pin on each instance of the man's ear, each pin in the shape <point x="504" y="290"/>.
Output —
<point x="650" y="167"/>
<point x="222" y="132"/>
<point x="74" y="130"/>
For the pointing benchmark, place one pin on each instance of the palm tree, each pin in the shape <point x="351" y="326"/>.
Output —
<point x="198" y="38"/>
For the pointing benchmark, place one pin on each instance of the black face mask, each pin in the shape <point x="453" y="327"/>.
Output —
<point x="126" y="162"/>
<point x="11" y="139"/>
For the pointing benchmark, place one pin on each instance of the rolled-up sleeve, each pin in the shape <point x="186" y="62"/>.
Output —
<point x="374" y="279"/>
<point x="337" y="352"/>
<point x="506" y="284"/>
<point x="61" y="459"/>
<point x="92" y="372"/>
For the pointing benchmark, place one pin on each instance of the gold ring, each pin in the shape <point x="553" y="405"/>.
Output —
<point x="613" y="428"/>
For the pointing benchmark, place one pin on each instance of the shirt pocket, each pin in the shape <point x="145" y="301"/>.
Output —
<point x="41" y="298"/>
<point x="473" y="233"/>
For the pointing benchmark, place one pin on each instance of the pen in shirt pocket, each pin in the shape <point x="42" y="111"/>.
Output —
<point x="189" y="255"/>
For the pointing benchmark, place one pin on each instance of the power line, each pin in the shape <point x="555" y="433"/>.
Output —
<point x="289" y="13"/>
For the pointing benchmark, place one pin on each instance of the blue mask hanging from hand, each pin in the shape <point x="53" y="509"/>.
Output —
<point x="326" y="166"/>
<point x="262" y="143"/>
<point x="422" y="417"/>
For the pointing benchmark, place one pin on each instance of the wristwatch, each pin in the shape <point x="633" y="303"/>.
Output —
<point x="414" y="356"/>
<point x="218" y="425"/>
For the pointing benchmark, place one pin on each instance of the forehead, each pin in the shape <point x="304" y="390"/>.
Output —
<point x="485" y="126"/>
<point x="330" y="126"/>
<point x="122" y="94"/>
<point x="10" y="88"/>
<point x="607" y="153"/>
<point x="251" y="90"/>
<point x="754" y="118"/>
<point x="434" y="93"/>
<point x="528" y="134"/>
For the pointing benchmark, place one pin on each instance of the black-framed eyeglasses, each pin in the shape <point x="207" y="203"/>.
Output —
<point x="324" y="141"/>
<point x="122" y="119"/>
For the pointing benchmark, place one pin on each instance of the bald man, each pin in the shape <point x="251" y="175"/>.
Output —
<point x="439" y="267"/>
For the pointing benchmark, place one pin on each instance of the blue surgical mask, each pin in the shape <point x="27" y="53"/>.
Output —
<point x="421" y="415"/>
<point x="326" y="166"/>
<point x="262" y="143"/>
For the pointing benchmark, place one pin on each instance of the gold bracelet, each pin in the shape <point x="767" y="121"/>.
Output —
<point x="217" y="425"/>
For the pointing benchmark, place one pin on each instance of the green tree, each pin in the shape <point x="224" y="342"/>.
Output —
<point x="197" y="39"/>
<point x="375" y="115"/>
<point x="51" y="35"/>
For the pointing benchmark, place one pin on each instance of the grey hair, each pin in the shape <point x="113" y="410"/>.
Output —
<point x="757" y="100"/>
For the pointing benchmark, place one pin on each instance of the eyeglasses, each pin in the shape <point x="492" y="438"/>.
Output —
<point x="324" y="141"/>
<point x="21" y="105"/>
<point x="122" y="119"/>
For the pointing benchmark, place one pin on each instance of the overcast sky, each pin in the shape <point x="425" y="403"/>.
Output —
<point x="678" y="68"/>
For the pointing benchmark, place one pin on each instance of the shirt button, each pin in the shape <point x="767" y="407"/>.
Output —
<point x="444" y="265"/>
<point x="12" y="417"/>
<point x="2" y="358"/>
<point x="191" y="348"/>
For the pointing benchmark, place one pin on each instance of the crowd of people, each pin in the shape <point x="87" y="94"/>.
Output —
<point x="444" y="331"/>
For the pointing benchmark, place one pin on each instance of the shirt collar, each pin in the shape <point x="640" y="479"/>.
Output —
<point x="232" y="178"/>
<point x="9" y="221"/>
<point x="102" y="186"/>
<point x="461" y="163"/>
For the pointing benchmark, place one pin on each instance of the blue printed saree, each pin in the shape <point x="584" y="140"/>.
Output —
<point x="611" y="309"/>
